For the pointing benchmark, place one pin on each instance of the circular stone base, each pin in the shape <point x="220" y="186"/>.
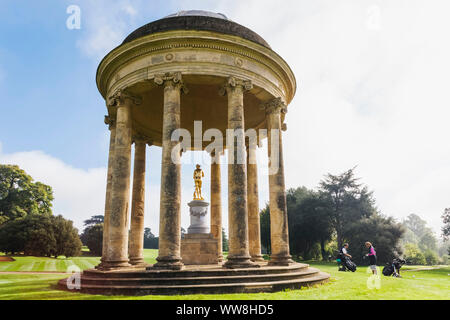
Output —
<point x="210" y="279"/>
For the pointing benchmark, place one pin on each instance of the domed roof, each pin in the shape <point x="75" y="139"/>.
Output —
<point x="197" y="20"/>
<point x="202" y="13"/>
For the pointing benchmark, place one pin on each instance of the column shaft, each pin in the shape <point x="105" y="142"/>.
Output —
<point x="106" y="217"/>
<point x="216" y="205"/>
<point x="136" y="246"/>
<point x="254" y="233"/>
<point x="169" y="255"/>
<point x="120" y="194"/>
<point x="279" y="235"/>
<point x="238" y="255"/>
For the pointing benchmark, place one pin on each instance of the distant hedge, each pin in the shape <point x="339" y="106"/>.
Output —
<point x="40" y="235"/>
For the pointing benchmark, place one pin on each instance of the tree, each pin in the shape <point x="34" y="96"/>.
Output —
<point x="68" y="242"/>
<point x="92" y="235"/>
<point x="413" y="255"/>
<point x="225" y="247"/>
<point x="431" y="257"/>
<point x="418" y="233"/>
<point x="310" y="225"/>
<point x="93" y="239"/>
<point x="446" y="227"/>
<point x="264" y="217"/>
<point x="416" y="224"/>
<point x="92" y="221"/>
<point x="349" y="200"/>
<point x="150" y="241"/>
<point x="428" y="241"/>
<point x="20" y="196"/>
<point x="40" y="236"/>
<point x="384" y="234"/>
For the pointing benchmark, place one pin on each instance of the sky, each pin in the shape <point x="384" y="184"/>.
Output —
<point x="373" y="92"/>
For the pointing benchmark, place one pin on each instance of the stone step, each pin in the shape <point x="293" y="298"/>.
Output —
<point x="246" y="287"/>
<point x="192" y="272"/>
<point x="199" y="279"/>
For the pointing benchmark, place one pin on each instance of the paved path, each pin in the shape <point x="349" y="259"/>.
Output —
<point x="423" y="269"/>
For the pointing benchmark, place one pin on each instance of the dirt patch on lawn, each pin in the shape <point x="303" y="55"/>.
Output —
<point x="6" y="258"/>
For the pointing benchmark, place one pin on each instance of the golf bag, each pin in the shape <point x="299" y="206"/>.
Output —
<point x="393" y="268"/>
<point x="388" y="269"/>
<point x="345" y="263"/>
<point x="349" y="264"/>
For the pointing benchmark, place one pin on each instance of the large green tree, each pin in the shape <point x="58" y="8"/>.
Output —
<point x="350" y="201"/>
<point x="20" y="196"/>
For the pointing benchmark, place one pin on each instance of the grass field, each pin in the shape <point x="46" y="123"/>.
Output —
<point x="39" y="264"/>
<point x="422" y="284"/>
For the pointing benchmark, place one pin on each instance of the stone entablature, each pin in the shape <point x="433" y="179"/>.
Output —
<point x="196" y="53"/>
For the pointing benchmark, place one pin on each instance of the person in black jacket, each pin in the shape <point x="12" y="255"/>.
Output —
<point x="343" y="254"/>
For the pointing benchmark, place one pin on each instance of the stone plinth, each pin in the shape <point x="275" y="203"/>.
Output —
<point x="199" y="249"/>
<point x="198" y="209"/>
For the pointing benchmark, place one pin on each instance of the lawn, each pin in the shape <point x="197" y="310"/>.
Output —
<point x="40" y="264"/>
<point x="423" y="284"/>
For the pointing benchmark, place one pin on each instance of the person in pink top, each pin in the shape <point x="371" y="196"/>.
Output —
<point x="372" y="257"/>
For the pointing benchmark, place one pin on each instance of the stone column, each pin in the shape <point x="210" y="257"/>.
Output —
<point x="170" y="215"/>
<point x="254" y="233"/>
<point x="117" y="255"/>
<point x="216" y="204"/>
<point x="136" y="245"/>
<point x="279" y="236"/>
<point x="238" y="255"/>
<point x="112" y="137"/>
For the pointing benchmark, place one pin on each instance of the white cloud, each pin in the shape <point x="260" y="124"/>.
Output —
<point x="105" y="25"/>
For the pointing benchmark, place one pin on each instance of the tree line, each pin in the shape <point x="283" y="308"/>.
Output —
<point x="343" y="210"/>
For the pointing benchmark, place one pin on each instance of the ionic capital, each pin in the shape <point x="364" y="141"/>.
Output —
<point x="234" y="83"/>
<point x="120" y="97"/>
<point x="173" y="79"/>
<point x="110" y="122"/>
<point x="138" y="137"/>
<point x="275" y="105"/>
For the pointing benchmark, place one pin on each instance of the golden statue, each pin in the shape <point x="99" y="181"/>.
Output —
<point x="198" y="175"/>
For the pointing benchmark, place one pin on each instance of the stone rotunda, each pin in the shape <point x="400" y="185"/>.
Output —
<point x="166" y="75"/>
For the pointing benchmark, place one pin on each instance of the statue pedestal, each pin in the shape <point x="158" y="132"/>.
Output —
<point x="198" y="245"/>
<point x="198" y="209"/>
<point x="199" y="249"/>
